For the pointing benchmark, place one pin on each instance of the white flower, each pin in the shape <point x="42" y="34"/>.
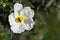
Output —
<point x="21" y="19"/>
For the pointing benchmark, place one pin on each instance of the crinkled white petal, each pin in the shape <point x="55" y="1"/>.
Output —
<point x="29" y="25"/>
<point x="28" y="12"/>
<point x="17" y="29"/>
<point x="17" y="7"/>
<point x="12" y="19"/>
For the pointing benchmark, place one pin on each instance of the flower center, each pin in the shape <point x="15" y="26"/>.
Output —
<point x="19" y="19"/>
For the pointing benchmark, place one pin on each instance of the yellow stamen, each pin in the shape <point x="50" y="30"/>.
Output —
<point x="19" y="19"/>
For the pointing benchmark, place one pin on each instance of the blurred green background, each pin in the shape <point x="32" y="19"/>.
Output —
<point x="47" y="20"/>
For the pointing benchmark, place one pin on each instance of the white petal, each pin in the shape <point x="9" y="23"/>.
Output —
<point x="12" y="19"/>
<point x="30" y="24"/>
<point x="28" y="12"/>
<point x="17" y="7"/>
<point x="17" y="29"/>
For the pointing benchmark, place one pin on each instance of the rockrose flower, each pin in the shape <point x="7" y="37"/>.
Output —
<point x="21" y="19"/>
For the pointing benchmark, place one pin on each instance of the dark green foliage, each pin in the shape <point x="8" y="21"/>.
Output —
<point x="47" y="20"/>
